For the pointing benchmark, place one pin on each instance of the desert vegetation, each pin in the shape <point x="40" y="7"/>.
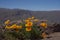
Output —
<point x="26" y="25"/>
<point x="27" y="29"/>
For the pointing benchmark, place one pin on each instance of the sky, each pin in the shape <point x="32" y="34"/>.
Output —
<point x="35" y="5"/>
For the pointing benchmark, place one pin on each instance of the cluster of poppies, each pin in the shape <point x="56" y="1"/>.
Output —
<point x="28" y="24"/>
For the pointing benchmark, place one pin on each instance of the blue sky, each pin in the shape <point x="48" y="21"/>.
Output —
<point x="36" y="5"/>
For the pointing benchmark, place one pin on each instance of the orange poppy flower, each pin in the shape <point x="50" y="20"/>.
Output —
<point x="44" y="25"/>
<point x="7" y="22"/>
<point x="29" y="24"/>
<point x="28" y="29"/>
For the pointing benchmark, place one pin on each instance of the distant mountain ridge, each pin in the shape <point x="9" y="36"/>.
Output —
<point x="16" y="14"/>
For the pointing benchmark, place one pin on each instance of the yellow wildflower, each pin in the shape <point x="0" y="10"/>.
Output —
<point x="28" y="29"/>
<point x="14" y="26"/>
<point x="7" y="22"/>
<point x="19" y="27"/>
<point x="29" y="18"/>
<point x="36" y="20"/>
<point x="29" y="24"/>
<point x="27" y="21"/>
<point x="33" y="17"/>
<point x="44" y="25"/>
<point x="8" y="27"/>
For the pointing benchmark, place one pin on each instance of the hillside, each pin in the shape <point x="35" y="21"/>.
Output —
<point x="16" y="14"/>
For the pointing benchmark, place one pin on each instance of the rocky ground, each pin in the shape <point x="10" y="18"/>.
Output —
<point x="53" y="36"/>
